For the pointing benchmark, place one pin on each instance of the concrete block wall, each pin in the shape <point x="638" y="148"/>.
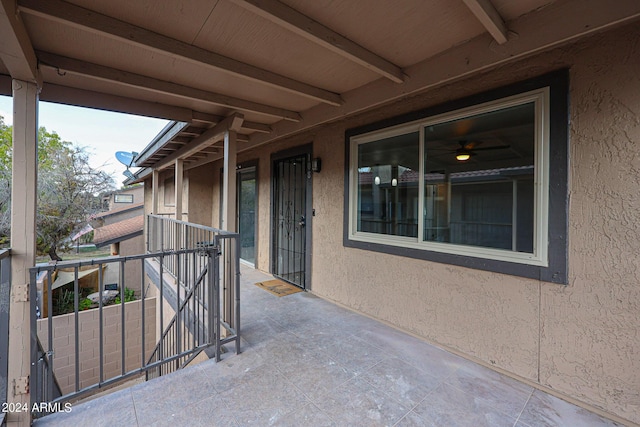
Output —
<point x="89" y="342"/>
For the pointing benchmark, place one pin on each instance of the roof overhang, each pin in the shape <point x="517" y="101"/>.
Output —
<point x="283" y="66"/>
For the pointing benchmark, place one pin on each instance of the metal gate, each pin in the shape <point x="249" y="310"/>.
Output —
<point x="291" y="178"/>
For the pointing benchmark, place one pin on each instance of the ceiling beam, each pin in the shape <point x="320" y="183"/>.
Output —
<point x="212" y="118"/>
<point x="489" y="17"/>
<point x="551" y="26"/>
<point x="16" y="51"/>
<point x="102" y="101"/>
<point x="289" y="18"/>
<point x="231" y="123"/>
<point x="102" y="24"/>
<point x="5" y="85"/>
<point x="256" y="127"/>
<point x="63" y="64"/>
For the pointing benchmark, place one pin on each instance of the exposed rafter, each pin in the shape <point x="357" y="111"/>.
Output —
<point x="16" y="51"/>
<point x="256" y="127"/>
<point x="136" y="80"/>
<point x="291" y="19"/>
<point x="489" y="17"/>
<point x="212" y="118"/>
<point x="472" y="57"/>
<point x="120" y="104"/>
<point x="97" y="23"/>
<point x="231" y="123"/>
<point x="104" y="101"/>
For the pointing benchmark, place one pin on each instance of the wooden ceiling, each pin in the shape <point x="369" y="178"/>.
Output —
<point x="280" y="66"/>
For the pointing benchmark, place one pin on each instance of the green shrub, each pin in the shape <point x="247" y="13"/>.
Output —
<point x="84" y="304"/>
<point x="129" y="295"/>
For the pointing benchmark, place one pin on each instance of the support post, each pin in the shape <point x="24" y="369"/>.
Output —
<point x="155" y="177"/>
<point x="178" y="178"/>
<point x="229" y="182"/>
<point x="228" y="220"/>
<point x="23" y="243"/>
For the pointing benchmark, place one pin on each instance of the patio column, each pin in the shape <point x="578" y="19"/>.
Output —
<point x="23" y="243"/>
<point x="229" y="182"/>
<point x="154" y="191"/>
<point x="178" y="177"/>
<point x="229" y="220"/>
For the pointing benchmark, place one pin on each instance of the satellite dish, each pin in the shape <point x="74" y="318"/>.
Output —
<point x="126" y="158"/>
<point x="128" y="174"/>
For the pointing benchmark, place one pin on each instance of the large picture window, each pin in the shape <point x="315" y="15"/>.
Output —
<point x="469" y="183"/>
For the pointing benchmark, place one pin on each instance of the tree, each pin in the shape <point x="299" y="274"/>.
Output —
<point x="68" y="189"/>
<point x="5" y="182"/>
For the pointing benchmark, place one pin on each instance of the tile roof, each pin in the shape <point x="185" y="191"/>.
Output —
<point x="118" y="231"/>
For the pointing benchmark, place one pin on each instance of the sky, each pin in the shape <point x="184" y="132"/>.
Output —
<point x="101" y="132"/>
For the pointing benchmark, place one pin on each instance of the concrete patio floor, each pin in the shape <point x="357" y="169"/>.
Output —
<point x="307" y="362"/>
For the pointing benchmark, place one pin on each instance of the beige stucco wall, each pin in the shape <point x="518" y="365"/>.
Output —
<point x="200" y="196"/>
<point x="590" y="330"/>
<point x="162" y="207"/>
<point x="89" y="342"/>
<point x="137" y="192"/>
<point x="581" y="340"/>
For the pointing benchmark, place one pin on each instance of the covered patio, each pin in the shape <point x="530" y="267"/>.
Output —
<point x="308" y="362"/>
<point x="340" y="96"/>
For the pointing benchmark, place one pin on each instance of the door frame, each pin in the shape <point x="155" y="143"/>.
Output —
<point x="301" y="150"/>
<point x="251" y="164"/>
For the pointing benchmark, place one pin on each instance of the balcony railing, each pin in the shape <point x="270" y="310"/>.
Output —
<point x="5" y="295"/>
<point x="86" y="350"/>
<point x="167" y="234"/>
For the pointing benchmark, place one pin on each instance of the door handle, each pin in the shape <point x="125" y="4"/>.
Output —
<point x="302" y="221"/>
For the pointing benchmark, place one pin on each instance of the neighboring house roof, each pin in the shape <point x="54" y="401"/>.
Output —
<point x="119" y="231"/>
<point x="118" y="211"/>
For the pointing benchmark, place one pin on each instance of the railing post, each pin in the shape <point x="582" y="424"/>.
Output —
<point x="213" y="289"/>
<point x="5" y="293"/>
<point x="236" y="292"/>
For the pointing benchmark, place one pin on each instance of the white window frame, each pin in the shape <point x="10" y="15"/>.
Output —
<point x="539" y="257"/>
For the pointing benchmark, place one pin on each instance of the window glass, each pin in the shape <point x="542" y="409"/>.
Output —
<point x="169" y="192"/>
<point x="479" y="175"/>
<point x="479" y="182"/>
<point x="388" y="171"/>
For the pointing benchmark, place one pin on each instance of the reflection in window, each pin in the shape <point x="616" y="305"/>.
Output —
<point x="169" y="192"/>
<point x="388" y="186"/>
<point x="479" y="180"/>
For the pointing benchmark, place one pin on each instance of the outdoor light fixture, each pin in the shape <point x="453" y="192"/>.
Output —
<point x="316" y="164"/>
<point x="394" y="182"/>
<point x="376" y="180"/>
<point x="463" y="155"/>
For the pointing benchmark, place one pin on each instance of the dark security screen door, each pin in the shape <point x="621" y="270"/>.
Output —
<point x="289" y="222"/>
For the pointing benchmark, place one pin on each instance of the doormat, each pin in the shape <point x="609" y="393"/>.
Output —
<point x="278" y="287"/>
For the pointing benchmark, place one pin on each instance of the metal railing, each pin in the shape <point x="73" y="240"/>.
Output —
<point x="169" y="234"/>
<point x="196" y="287"/>
<point x="5" y="297"/>
<point x="188" y="328"/>
<point x="46" y="379"/>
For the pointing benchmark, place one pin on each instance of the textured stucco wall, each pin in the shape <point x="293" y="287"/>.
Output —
<point x="590" y="337"/>
<point x="582" y="340"/>
<point x="200" y="197"/>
